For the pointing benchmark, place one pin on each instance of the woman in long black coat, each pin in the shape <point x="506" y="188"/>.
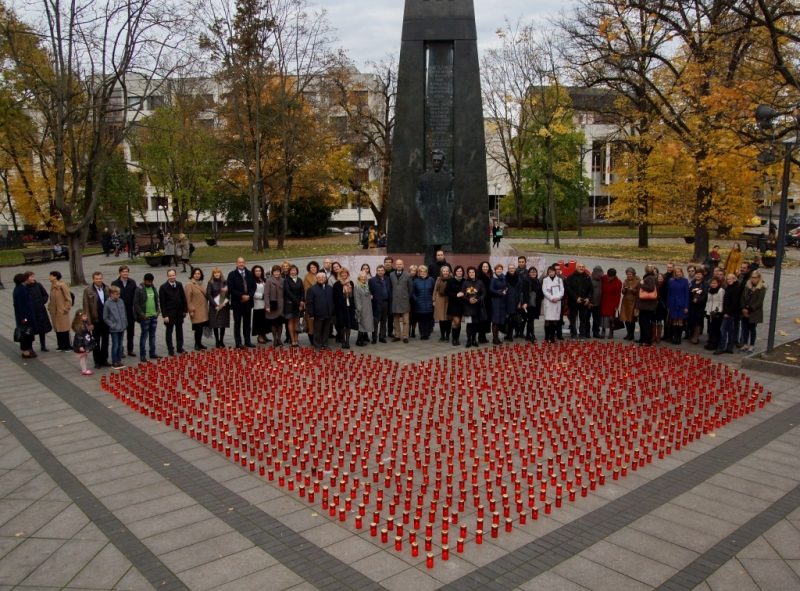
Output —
<point x="455" y="303"/>
<point x="344" y="306"/>
<point x="24" y="314"/>
<point x="39" y="297"/>
<point x="532" y="301"/>
<point x="484" y="274"/>
<point x="474" y="296"/>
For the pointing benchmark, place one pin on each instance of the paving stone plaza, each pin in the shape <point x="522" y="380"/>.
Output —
<point x="94" y="495"/>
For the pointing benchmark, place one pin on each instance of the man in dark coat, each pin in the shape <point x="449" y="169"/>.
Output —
<point x="241" y="289"/>
<point x="127" y="292"/>
<point x="172" y="301"/>
<point x="579" y="296"/>
<point x="94" y="298"/>
<point x="381" y="290"/>
<point x="435" y="268"/>
<point x="319" y="306"/>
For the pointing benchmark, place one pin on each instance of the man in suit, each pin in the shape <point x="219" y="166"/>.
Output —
<point x="381" y="290"/>
<point x="94" y="298"/>
<point x="172" y="300"/>
<point x="127" y="288"/>
<point x="241" y="289"/>
<point x="401" y="301"/>
<point x="319" y="306"/>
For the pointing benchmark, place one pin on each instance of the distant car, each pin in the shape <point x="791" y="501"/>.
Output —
<point x="793" y="237"/>
<point x="334" y="230"/>
<point x="792" y="222"/>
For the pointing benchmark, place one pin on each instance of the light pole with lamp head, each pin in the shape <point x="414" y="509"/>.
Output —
<point x="766" y="118"/>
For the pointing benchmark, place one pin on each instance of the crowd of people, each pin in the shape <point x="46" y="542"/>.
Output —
<point x="392" y="303"/>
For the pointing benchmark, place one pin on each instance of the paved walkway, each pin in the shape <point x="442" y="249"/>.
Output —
<point x="96" y="496"/>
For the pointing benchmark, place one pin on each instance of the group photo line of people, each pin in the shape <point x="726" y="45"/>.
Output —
<point x="721" y="302"/>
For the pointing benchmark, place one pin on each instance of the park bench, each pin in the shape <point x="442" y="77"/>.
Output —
<point x="37" y="256"/>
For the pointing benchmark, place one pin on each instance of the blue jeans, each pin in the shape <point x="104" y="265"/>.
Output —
<point x="727" y="338"/>
<point x="116" y="346"/>
<point x="148" y="336"/>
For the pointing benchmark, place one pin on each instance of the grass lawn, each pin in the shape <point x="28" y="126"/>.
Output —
<point x="599" y="231"/>
<point x="295" y="249"/>
<point x="13" y="257"/>
<point x="679" y="253"/>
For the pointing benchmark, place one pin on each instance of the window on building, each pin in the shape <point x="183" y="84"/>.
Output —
<point x="134" y="101"/>
<point x="156" y="102"/>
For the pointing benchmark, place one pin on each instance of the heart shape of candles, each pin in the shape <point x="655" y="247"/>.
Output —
<point x="441" y="453"/>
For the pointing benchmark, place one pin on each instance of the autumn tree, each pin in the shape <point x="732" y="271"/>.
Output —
<point x="176" y="147"/>
<point x="612" y="45"/>
<point x="366" y="103"/>
<point x="78" y="97"/>
<point x="123" y="194"/>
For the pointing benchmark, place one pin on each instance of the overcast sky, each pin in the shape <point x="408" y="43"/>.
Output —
<point x="370" y="29"/>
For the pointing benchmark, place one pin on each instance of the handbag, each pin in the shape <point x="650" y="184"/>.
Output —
<point x="23" y="332"/>
<point x="648" y="295"/>
<point x="617" y="324"/>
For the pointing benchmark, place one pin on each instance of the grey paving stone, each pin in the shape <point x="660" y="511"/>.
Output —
<point x="126" y="483"/>
<point x="11" y="480"/>
<point x="653" y="547"/>
<point x="151" y="526"/>
<point x="771" y="574"/>
<point x="759" y="548"/>
<point x="205" y="551"/>
<point x="64" y="525"/>
<point x="186" y="536"/>
<point x="282" y="505"/>
<point x="214" y="574"/>
<point x="64" y="563"/>
<point x="785" y="539"/>
<point x="114" y="473"/>
<point x="103" y="571"/>
<point x="630" y="563"/>
<point x="596" y="576"/>
<point x="748" y="487"/>
<point x="695" y="520"/>
<point x="35" y="488"/>
<point x="9" y="508"/>
<point x="675" y="533"/>
<point x="326" y="534"/>
<point x="25" y="558"/>
<point x="447" y="571"/>
<point x="412" y="578"/>
<point x="380" y="566"/>
<point x="153" y="507"/>
<point x="144" y="494"/>
<point x="133" y="581"/>
<point x="14" y="458"/>
<point x="732" y="576"/>
<point x="352" y="549"/>
<point x="276" y="577"/>
<point x="724" y="505"/>
<point x="33" y="517"/>
<point x="551" y="582"/>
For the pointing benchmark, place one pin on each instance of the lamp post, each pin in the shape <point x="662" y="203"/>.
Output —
<point x="766" y="117"/>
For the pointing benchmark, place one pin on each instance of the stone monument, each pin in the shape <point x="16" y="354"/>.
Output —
<point x="438" y="114"/>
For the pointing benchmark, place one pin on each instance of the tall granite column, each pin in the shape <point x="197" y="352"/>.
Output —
<point x="439" y="107"/>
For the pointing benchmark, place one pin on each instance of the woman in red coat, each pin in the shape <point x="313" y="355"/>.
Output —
<point x="610" y="300"/>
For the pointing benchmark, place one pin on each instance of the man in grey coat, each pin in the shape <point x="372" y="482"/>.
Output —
<point x="401" y="301"/>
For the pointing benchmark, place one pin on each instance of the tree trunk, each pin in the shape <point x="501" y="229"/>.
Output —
<point x="701" y="234"/>
<point x="75" y="249"/>
<point x="644" y="237"/>
<point x="287" y="195"/>
<point x="551" y="197"/>
<point x="255" y="214"/>
<point x="518" y="203"/>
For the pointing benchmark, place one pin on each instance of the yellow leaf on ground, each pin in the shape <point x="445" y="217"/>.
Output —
<point x="783" y="333"/>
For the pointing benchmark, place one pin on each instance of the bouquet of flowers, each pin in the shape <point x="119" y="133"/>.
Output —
<point x="472" y="295"/>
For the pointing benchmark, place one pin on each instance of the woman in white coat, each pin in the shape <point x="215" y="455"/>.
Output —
<point x="553" y="292"/>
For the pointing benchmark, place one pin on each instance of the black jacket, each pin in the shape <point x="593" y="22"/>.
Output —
<point x="731" y="303"/>
<point x="127" y="293"/>
<point x="173" y="301"/>
<point x="319" y="301"/>
<point x="236" y="289"/>
<point x="578" y="285"/>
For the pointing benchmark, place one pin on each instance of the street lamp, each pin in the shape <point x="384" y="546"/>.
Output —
<point x="766" y="118"/>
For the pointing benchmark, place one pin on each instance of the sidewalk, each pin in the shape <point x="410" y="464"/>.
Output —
<point x="95" y="496"/>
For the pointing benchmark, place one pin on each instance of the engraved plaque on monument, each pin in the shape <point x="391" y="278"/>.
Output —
<point x="439" y="110"/>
